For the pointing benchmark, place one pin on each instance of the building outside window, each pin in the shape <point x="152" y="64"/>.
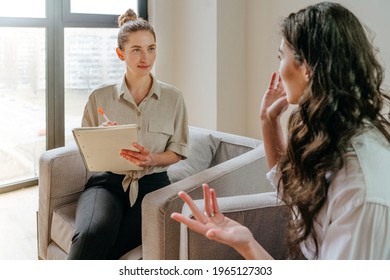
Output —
<point x="52" y="53"/>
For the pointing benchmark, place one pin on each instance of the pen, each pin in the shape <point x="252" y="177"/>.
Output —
<point x="101" y="112"/>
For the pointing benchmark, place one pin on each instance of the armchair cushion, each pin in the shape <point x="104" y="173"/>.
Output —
<point x="201" y="150"/>
<point x="63" y="225"/>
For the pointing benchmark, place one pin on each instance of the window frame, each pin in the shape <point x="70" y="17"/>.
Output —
<point x="96" y="20"/>
<point x="58" y="17"/>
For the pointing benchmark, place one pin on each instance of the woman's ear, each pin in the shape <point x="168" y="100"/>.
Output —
<point x="119" y="53"/>
<point x="306" y="71"/>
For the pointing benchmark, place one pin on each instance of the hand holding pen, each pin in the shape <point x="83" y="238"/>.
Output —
<point x="107" y="122"/>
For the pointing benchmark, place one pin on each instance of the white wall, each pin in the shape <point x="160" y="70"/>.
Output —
<point x="264" y="18"/>
<point x="187" y="54"/>
<point x="221" y="53"/>
<point x="231" y="66"/>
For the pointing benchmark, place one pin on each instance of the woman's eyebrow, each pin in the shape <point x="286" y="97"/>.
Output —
<point x="139" y="47"/>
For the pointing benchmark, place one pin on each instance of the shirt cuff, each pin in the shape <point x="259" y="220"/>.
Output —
<point x="178" y="149"/>
<point x="272" y="176"/>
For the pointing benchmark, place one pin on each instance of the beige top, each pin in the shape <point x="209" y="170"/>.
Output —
<point x="161" y="119"/>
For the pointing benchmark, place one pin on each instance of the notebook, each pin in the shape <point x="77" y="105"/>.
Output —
<point x="100" y="147"/>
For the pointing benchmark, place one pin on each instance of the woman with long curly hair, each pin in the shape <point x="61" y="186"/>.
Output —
<point x="332" y="169"/>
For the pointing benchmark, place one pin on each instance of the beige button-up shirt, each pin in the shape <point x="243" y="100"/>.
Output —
<point x="161" y="119"/>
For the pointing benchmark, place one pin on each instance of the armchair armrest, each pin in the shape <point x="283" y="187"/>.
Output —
<point x="262" y="213"/>
<point x="62" y="176"/>
<point x="244" y="174"/>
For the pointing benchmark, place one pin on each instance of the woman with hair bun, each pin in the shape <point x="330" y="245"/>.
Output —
<point x="332" y="171"/>
<point x="108" y="215"/>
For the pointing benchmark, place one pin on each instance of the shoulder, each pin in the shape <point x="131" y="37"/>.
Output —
<point x="169" y="94"/>
<point x="105" y="88"/>
<point x="370" y="138"/>
<point x="373" y="154"/>
<point x="168" y="89"/>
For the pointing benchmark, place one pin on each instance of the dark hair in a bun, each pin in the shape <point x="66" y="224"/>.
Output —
<point x="128" y="23"/>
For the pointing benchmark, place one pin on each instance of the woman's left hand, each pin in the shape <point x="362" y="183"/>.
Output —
<point x="213" y="224"/>
<point x="143" y="157"/>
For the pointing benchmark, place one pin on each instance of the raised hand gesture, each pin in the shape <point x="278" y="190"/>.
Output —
<point x="215" y="226"/>
<point x="273" y="105"/>
<point x="274" y="102"/>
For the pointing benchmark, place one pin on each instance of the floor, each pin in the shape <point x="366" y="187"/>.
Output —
<point x="18" y="233"/>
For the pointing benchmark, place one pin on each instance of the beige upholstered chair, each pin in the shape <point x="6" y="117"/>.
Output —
<point x="232" y="164"/>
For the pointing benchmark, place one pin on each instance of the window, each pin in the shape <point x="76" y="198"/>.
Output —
<point x="90" y="58"/>
<point x="102" y="6"/>
<point x="22" y="99"/>
<point x="53" y="53"/>
<point x="23" y="8"/>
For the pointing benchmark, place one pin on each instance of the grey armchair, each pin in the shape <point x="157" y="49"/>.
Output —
<point x="232" y="164"/>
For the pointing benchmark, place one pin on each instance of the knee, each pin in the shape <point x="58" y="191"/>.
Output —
<point x="90" y="244"/>
<point x="93" y="235"/>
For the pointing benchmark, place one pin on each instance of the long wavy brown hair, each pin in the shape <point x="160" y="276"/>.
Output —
<point x="344" y="92"/>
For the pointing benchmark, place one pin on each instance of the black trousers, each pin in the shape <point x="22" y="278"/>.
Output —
<point x="106" y="226"/>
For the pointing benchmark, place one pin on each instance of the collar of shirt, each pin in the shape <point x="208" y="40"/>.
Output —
<point x="122" y="89"/>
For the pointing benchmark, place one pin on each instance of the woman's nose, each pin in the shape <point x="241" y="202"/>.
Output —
<point x="144" y="56"/>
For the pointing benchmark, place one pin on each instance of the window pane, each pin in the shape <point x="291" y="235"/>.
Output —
<point x="107" y="7"/>
<point x="23" y="8"/>
<point x="22" y="99"/>
<point x="90" y="60"/>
